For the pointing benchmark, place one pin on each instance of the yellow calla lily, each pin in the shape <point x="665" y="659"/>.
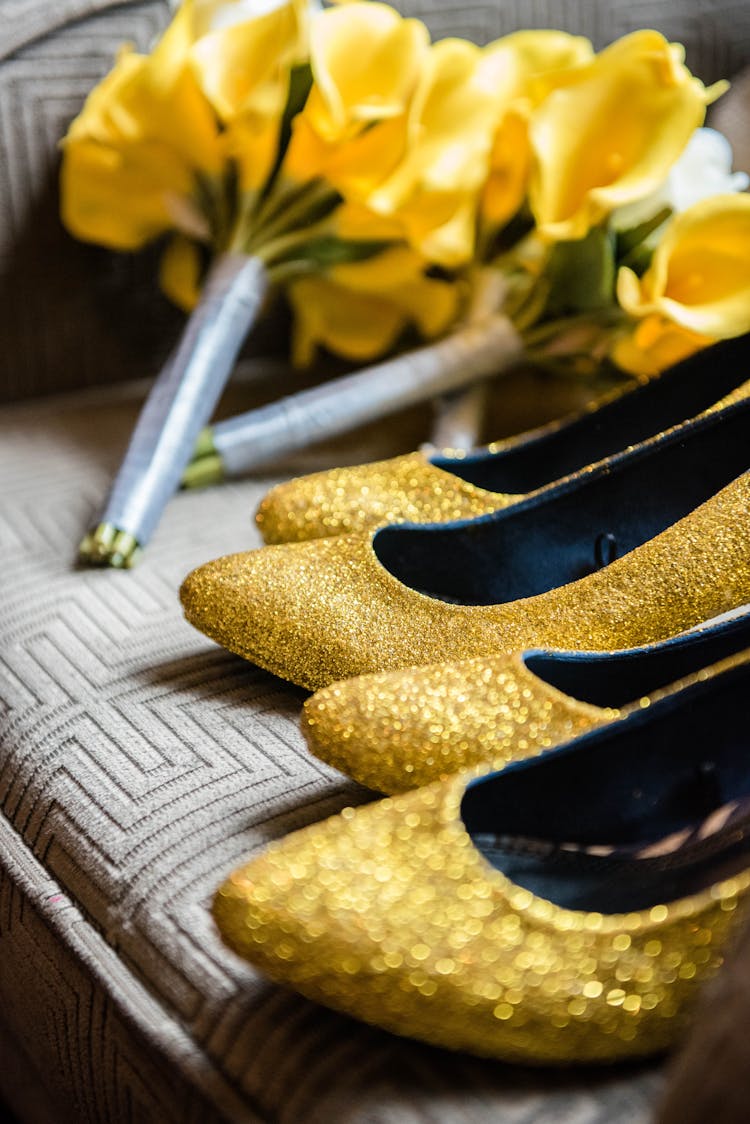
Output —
<point x="359" y="310"/>
<point x="243" y="51"/>
<point x="529" y="56"/>
<point x="132" y="155"/>
<point x="366" y="60"/>
<point x="449" y="135"/>
<point x="699" y="276"/>
<point x="655" y="344"/>
<point x="608" y="131"/>
<point x="541" y="54"/>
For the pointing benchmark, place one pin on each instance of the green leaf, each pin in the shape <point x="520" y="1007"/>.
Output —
<point x="300" y="83"/>
<point x="581" y="274"/>
<point x="327" y="250"/>
<point x="628" y="240"/>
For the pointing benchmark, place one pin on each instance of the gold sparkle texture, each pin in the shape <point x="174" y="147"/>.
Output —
<point x="390" y="913"/>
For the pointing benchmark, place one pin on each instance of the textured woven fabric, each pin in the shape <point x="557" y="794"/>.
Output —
<point x="138" y="765"/>
<point x="73" y="315"/>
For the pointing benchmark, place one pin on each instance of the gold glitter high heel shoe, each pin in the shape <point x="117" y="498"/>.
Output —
<point x="565" y="909"/>
<point x="434" y="489"/>
<point x="397" y="730"/>
<point x="675" y="509"/>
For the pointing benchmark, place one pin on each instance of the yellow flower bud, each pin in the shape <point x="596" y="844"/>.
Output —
<point x="179" y="272"/>
<point x="359" y="310"/>
<point x="655" y="344"/>
<point x="608" y="131"/>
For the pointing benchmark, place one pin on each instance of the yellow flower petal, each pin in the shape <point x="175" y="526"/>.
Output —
<point x="354" y="167"/>
<point x="353" y="222"/>
<point x="609" y="131"/>
<point x="366" y="61"/>
<point x="433" y="190"/>
<point x="355" y="326"/>
<point x="244" y="66"/>
<point x="119" y="199"/>
<point x="510" y="165"/>
<point x="654" y="345"/>
<point x="361" y="309"/>
<point x="131" y="157"/>
<point x="543" y="52"/>
<point x="252" y="142"/>
<point x="179" y="273"/>
<point x="699" y="277"/>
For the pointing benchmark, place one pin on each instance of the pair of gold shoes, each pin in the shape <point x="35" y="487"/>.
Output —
<point x="544" y="912"/>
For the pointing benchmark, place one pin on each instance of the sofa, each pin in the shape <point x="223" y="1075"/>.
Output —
<point x="139" y="763"/>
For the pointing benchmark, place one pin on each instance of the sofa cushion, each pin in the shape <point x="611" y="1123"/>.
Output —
<point x="139" y="764"/>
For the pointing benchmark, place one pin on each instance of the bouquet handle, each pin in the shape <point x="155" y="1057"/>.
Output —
<point x="179" y="405"/>
<point x="270" y="432"/>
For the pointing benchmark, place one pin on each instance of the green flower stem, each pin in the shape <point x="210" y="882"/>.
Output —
<point x="459" y="417"/>
<point x="299" y="212"/>
<point x="203" y="471"/>
<point x="204" y="446"/>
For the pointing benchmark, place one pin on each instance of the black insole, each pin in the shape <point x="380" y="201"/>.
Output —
<point x="682" y="392"/>
<point x="612" y="679"/>
<point x="658" y="772"/>
<point x="571" y="530"/>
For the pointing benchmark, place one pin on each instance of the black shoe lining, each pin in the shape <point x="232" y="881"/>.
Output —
<point x="572" y="825"/>
<point x="681" y="392"/>
<point x="614" y="679"/>
<point x="551" y="539"/>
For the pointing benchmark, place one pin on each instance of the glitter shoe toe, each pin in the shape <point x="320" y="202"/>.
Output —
<point x="568" y="908"/>
<point x="393" y="731"/>
<point x="353" y="500"/>
<point x="441" y="488"/>
<point x="630" y="551"/>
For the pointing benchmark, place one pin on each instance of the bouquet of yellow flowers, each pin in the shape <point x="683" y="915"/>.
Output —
<point x="436" y="210"/>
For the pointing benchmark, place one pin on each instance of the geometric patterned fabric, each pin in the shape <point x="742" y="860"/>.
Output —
<point x="139" y="764"/>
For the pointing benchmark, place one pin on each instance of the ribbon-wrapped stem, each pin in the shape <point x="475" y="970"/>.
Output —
<point x="459" y="418"/>
<point x="243" y="443"/>
<point x="180" y="403"/>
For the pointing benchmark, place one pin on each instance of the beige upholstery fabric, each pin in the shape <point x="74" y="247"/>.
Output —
<point x="138" y="764"/>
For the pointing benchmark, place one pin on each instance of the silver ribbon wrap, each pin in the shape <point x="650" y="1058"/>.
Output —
<point x="272" y="431"/>
<point x="459" y="418"/>
<point x="184" y="396"/>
